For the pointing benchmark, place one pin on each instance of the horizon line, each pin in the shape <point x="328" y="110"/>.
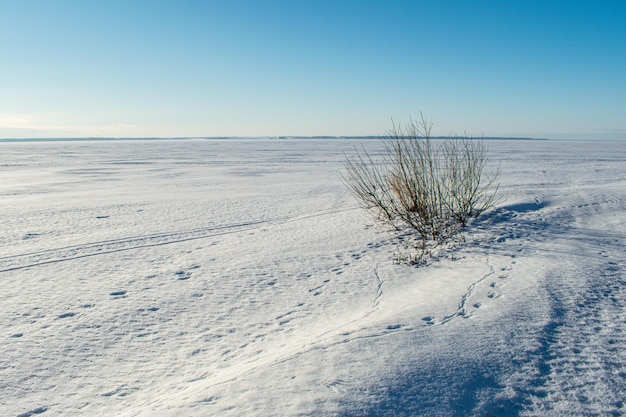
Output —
<point x="121" y="138"/>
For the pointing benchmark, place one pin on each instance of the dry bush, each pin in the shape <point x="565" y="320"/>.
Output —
<point x="433" y="189"/>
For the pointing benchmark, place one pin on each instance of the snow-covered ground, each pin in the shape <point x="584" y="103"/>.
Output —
<point x="239" y="278"/>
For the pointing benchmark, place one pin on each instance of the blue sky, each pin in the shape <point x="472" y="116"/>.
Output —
<point x="136" y="68"/>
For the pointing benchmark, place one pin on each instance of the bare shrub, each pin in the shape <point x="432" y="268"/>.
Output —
<point x="431" y="189"/>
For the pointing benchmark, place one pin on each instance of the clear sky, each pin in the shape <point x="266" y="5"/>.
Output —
<point x="134" y="68"/>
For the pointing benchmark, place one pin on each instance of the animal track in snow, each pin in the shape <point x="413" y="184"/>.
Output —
<point x="282" y="319"/>
<point x="462" y="310"/>
<point x="580" y="349"/>
<point x="38" y="410"/>
<point x="183" y="275"/>
<point x="493" y="294"/>
<point x="118" y="294"/>
<point x="358" y="255"/>
<point x="315" y="291"/>
<point x="68" y="253"/>
<point x="429" y="320"/>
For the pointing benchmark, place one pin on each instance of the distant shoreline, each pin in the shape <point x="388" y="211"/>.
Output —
<point x="101" y="139"/>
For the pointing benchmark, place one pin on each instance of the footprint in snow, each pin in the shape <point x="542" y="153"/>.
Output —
<point x="30" y="236"/>
<point x="282" y="316"/>
<point x="34" y="412"/>
<point x="429" y="320"/>
<point x="183" y="275"/>
<point x="118" y="294"/>
<point x="315" y="290"/>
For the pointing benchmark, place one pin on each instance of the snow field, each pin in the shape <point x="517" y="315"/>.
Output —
<point x="238" y="277"/>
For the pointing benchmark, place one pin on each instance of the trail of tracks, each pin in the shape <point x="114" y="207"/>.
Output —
<point x="462" y="309"/>
<point x="103" y="247"/>
<point x="68" y="253"/>
<point x="580" y="362"/>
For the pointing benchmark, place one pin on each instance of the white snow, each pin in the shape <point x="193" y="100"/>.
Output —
<point x="239" y="278"/>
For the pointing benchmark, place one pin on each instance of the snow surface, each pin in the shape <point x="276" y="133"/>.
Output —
<point x="239" y="278"/>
